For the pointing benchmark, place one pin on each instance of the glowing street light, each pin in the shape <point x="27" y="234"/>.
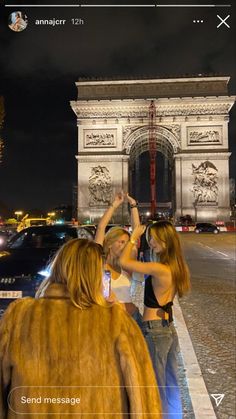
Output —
<point x="18" y="214"/>
<point x="51" y="218"/>
<point x="51" y="214"/>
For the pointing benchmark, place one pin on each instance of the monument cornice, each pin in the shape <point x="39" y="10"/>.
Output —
<point x="96" y="81"/>
<point x="105" y="158"/>
<point x="99" y="153"/>
<point x="154" y="88"/>
<point x="207" y="155"/>
<point x="140" y="109"/>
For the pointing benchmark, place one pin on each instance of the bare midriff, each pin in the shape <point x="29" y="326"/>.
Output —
<point x="154" y="314"/>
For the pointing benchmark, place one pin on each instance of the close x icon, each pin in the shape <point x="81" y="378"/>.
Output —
<point x="223" y="21"/>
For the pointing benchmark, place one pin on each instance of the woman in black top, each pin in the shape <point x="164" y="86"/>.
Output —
<point x="167" y="277"/>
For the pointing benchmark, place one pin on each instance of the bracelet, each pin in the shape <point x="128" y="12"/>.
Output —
<point x="134" y="205"/>
<point x="132" y="241"/>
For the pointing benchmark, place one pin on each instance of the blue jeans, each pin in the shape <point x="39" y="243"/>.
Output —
<point x="163" y="345"/>
<point x="138" y="318"/>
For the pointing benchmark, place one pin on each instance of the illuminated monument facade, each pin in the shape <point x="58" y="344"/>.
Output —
<point x="192" y="116"/>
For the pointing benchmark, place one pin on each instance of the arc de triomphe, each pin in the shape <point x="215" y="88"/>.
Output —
<point x="192" y="116"/>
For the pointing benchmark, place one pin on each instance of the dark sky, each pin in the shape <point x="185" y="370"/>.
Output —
<point x="39" y="68"/>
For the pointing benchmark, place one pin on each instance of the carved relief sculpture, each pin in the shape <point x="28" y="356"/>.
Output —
<point x="205" y="184"/>
<point x="100" y="188"/>
<point x="127" y="130"/>
<point x="99" y="138"/>
<point x="175" y="129"/>
<point x="209" y="135"/>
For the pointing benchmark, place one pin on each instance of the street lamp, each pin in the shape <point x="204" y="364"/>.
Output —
<point x="18" y="214"/>
<point x="51" y="214"/>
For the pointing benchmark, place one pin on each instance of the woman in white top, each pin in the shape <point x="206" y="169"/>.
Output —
<point x="113" y="243"/>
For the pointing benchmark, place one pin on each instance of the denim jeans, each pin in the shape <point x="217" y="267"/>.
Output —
<point x="163" y="345"/>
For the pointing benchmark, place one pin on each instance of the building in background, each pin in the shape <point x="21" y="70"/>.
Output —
<point x="191" y="127"/>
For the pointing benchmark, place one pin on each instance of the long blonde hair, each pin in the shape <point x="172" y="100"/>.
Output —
<point x="111" y="236"/>
<point x="165" y="233"/>
<point x="78" y="265"/>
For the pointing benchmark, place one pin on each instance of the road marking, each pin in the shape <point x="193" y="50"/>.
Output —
<point x="200" y="398"/>
<point x="205" y="245"/>
<point x="224" y="254"/>
<point x="215" y="251"/>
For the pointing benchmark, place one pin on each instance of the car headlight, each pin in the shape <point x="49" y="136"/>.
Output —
<point x="45" y="273"/>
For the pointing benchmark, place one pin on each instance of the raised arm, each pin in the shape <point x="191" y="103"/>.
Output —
<point x="129" y="264"/>
<point x="100" y="233"/>
<point x="135" y="220"/>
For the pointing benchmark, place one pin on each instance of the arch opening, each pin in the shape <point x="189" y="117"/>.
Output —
<point x="139" y="176"/>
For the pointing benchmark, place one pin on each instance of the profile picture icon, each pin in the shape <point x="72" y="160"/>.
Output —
<point x="17" y="21"/>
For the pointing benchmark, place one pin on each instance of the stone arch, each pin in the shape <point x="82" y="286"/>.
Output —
<point x="167" y="143"/>
<point x="137" y="142"/>
<point x="192" y="117"/>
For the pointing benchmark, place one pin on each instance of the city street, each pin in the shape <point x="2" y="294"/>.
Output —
<point x="209" y="312"/>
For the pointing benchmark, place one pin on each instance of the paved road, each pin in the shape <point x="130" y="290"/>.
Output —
<point x="210" y="313"/>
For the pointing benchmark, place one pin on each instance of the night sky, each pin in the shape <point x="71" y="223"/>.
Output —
<point x="39" y="68"/>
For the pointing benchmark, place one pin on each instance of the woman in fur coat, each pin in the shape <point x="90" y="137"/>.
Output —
<point x="72" y="352"/>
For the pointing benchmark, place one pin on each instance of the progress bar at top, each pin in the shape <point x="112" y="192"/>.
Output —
<point x="118" y="5"/>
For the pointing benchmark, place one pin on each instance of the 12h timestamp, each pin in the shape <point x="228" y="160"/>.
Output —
<point x="77" y="21"/>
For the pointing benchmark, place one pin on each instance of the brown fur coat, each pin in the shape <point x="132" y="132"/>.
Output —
<point x="54" y="352"/>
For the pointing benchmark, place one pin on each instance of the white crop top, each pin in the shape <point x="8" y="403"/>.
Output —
<point x="122" y="287"/>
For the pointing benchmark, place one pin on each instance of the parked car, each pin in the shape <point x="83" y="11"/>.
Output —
<point x="23" y="260"/>
<point x="206" y="228"/>
<point x="3" y="238"/>
<point x="5" y="235"/>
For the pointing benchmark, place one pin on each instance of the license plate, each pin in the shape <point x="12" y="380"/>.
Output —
<point x="10" y="294"/>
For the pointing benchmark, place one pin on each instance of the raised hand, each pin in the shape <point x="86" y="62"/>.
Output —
<point x="130" y="200"/>
<point x="119" y="199"/>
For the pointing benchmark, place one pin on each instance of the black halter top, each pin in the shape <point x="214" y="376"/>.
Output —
<point x="151" y="301"/>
